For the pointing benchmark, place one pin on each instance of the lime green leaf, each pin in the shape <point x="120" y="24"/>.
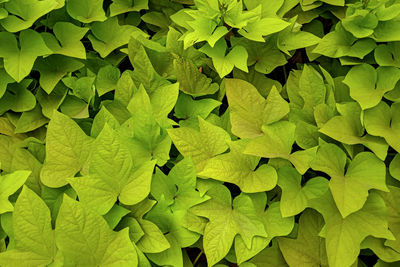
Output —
<point x="34" y="236"/>
<point x="224" y="64"/>
<point x="22" y="13"/>
<point x="249" y="111"/>
<point x="30" y="120"/>
<point x="394" y="167"/>
<point x="308" y="249"/>
<point x="200" y="145"/>
<point x="367" y="85"/>
<point x="66" y="40"/>
<point x="382" y="121"/>
<point x="295" y="197"/>
<point x="340" y="43"/>
<point x="85" y="238"/>
<point x="257" y="29"/>
<point x="225" y="222"/>
<point x="124" y="6"/>
<point x="344" y="235"/>
<point x="20" y="56"/>
<point x="86" y="11"/>
<point x="361" y="23"/>
<point x="350" y="189"/>
<point x="53" y="68"/>
<point x="392" y="204"/>
<point x="52" y="101"/>
<point x="109" y="35"/>
<point x="107" y="79"/>
<point x="67" y="151"/>
<point x="10" y="183"/>
<point x="191" y="80"/>
<point x="347" y="128"/>
<point x="240" y="169"/>
<point x="276" y="142"/>
<point x="112" y="175"/>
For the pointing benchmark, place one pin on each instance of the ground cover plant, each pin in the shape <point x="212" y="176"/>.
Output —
<point x="200" y="133"/>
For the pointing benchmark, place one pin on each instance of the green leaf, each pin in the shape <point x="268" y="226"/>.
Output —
<point x="382" y="121"/>
<point x="85" y="238"/>
<point x="124" y="6"/>
<point x="347" y="128"/>
<point x="109" y="35"/>
<point x="53" y="68"/>
<point x="276" y="142"/>
<point x="308" y="249"/>
<point x="200" y="145"/>
<point x="240" y="169"/>
<point x="30" y="120"/>
<point x="107" y="79"/>
<point x="226" y="220"/>
<point x="23" y="13"/>
<point x="86" y="11"/>
<point x="249" y="111"/>
<point x="350" y="189"/>
<point x="255" y="30"/>
<point x="295" y="197"/>
<point x="9" y="184"/>
<point x="67" y="151"/>
<point x="191" y="80"/>
<point x="340" y="43"/>
<point x="34" y="236"/>
<point x="20" y="56"/>
<point x="394" y="167"/>
<point x="112" y="174"/>
<point x="224" y="64"/>
<point x="344" y="235"/>
<point x="66" y="40"/>
<point x="367" y="85"/>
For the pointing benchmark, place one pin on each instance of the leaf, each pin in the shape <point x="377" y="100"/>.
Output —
<point x="86" y="11"/>
<point x="191" y="80"/>
<point x="249" y="111"/>
<point x="350" y="189"/>
<point x="382" y="121"/>
<point x="112" y="174"/>
<point x="224" y="64"/>
<point x="67" y="151"/>
<point x="9" y="184"/>
<point x="30" y="120"/>
<point x="85" y="238"/>
<point x="276" y="142"/>
<point x="124" y="6"/>
<point x="53" y="69"/>
<point x="200" y="145"/>
<point x="225" y="222"/>
<point x="308" y="248"/>
<point x="108" y="35"/>
<point x="367" y="85"/>
<point x="340" y="43"/>
<point x="347" y="128"/>
<point x="344" y="235"/>
<point x="17" y="98"/>
<point x="22" y="14"/>
<point x="240" y="169"/>
<point x="34" y="236"/>
<point x="20" y="56"/>
<point x="66" y="40"/>
<point x="107" y="79"/>
<point x="295" y="197"/>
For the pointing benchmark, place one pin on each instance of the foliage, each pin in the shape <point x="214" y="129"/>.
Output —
<point x="200" y="132"/>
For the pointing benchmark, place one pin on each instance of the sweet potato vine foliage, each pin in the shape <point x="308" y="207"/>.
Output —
<point x="188" y="133"/>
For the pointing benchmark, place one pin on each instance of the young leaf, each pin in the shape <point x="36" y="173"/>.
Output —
<point x="350" y="189"/>
<point x="33" y="233"/>
<point x="240" y="169"/>
<point x="85" y="238"/>
<point x="67" y="151"/>
<point x="9" y="184"/>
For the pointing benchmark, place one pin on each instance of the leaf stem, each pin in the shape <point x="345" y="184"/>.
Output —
<point x="198" y="257"/>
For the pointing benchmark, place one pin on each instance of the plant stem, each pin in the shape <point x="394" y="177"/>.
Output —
<point x="198" y="257"/>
